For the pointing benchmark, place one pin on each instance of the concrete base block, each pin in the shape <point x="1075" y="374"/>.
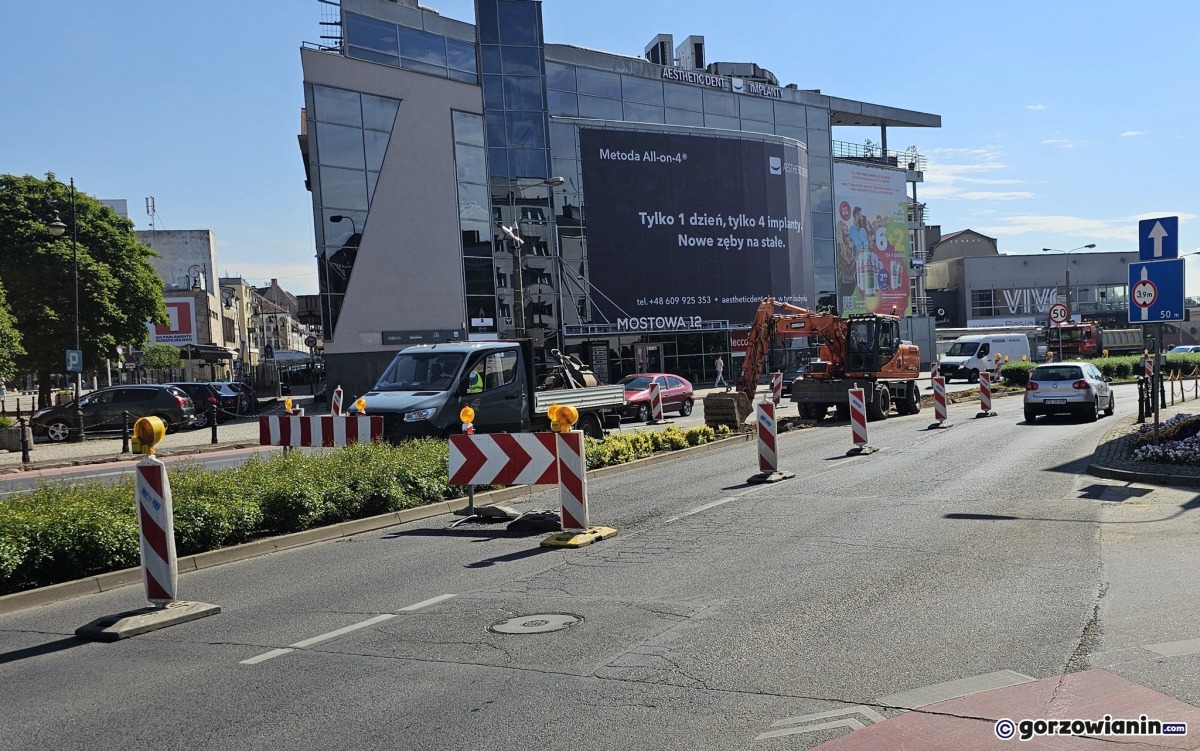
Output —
<point x="862" y="450"/>
<point x="493" y="513"/>
<point x="939" y="426"/>
<point x="985" y="414"/>
<point x="578" y="539"/>
<point x="763" y="477"/>
<point x="134" y="622"/>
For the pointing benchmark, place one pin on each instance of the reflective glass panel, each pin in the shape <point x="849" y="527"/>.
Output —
<point x="818" y="118"/>
<point x="518" y="22"/>
<point x="496" y="133"/>
<point x="685" y="117"/>
<point x="604" y="109"/>
<point x="470" y="163"/>
<point x="559" y="76"/>
<point x="468" y="128"/>
<point x="487" y="23"/>
<point x="720" y="121"/>
<point x="336" y="106"/>
<point x="562" y="139"/>
<point x="340" y="146"/>
<point x="527" y="162"/>
<point x="562" y="103"/>
<point x="716" y="103"/>
<point x="524" y="61"/>
<point x="372" y="56"/>
<point x="642" y="113"/>
<point x="526" y="130"/>
<point x="684" y="97"/>
<point x="479" y="276"/>
<point x="379" y="113"/>
<point x="641" y="90"/>
<point x="343" y="188"/>
<point x="754" y="108"/>
<point x="370" y="33"/>
<point x="493" y="92"/>
<point x="523" y="93"/>
<point x="461" y="55"/>
<point x="490" y="55"/>
<point x="473" y="202"/>
<point x="787" y="113"/>
<point x="376" y="143"/>
<point x="598" y="82"/>
<point x="498" y="162"/>
<point x="422" y="46"/>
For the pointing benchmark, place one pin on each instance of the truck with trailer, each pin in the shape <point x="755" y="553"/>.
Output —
<point x="424" y="388"/>
<point x="1084" y="340"/>
<point x="859" y="351"/>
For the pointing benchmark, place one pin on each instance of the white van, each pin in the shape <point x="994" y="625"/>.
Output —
<point x="970" y="355"/>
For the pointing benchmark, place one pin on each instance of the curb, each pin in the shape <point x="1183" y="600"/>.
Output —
<point x="1157" y="477"/>
<point x="114" y="579"/>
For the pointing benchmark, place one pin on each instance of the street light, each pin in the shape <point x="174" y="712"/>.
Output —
<point x="1068" y="283"/>
<point x="57" y="228"/>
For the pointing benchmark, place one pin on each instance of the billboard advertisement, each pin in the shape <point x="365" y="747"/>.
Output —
<point x="872" y="239"/>
<point x="180" y="327"/>
<point x="683" y="230"/>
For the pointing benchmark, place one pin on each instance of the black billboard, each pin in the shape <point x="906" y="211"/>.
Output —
<point x="685" y="229"/>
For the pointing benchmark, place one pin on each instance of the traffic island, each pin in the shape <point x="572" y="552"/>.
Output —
<point x="578" y="538"/>
<point x="144" y="620"/>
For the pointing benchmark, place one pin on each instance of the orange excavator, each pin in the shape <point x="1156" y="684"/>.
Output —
<point x="860" y="351"/>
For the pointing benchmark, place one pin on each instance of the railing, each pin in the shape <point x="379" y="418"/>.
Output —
<point x="873" y="153"/>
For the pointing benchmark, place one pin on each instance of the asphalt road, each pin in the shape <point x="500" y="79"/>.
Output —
<point x="719" y="610"/>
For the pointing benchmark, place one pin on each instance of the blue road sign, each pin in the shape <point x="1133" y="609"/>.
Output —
<point x="1158" y="239"/>
<point x="74" y="361"/>
<point x="1156" y="291"/>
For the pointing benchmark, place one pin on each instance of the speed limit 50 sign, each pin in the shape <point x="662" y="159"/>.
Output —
<point x="1156" y="291"/>
<point x="1059" y="313"/>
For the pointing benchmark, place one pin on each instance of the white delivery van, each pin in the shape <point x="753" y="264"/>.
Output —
<point x="972" y="354"/>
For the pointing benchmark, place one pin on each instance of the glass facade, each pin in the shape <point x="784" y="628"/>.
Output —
<point x="406" y="47"/>
<point x="349" y="134"/>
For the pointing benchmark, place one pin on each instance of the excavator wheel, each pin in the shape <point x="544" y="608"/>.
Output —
<point x="878" y="410"/>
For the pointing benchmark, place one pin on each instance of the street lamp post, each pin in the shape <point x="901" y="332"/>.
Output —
<point x="57" y="228"/>
<point x="1067" y="283"/>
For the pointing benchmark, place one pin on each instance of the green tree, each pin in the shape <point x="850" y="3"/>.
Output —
<point x="10" y="340"/>
<point x="119" y="289"/>
<point x="161" y="357"/>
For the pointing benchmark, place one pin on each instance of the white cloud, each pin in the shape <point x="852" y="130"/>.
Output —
<point x="1035" y="107"/>
<point x="949" y="170"/>
<point x="996" y="195"/>
<point x="1121" y="230"/>
<point x="1063" y="142"/>
<point x="1129" y="133"/>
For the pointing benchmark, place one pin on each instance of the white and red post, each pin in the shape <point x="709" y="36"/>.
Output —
<point x="939" y="400"/>
<point x="572" y="481"/>
<point x="858" y="417"/>
<point x="985" y="394"/>
<point x="776" y="388"/>
<point x="156" y="524"/>
<point x="335" y="404"/>
<point x="656" y="407"/>
<point x="768" y="452"/>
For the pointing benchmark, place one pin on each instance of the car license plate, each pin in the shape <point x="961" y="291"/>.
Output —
<point x="1054" y="401"/>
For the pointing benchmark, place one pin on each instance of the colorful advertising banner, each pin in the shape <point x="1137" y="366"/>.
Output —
<point x="683" y="229"/>
<point x="872" y="239"/>
<point x="180" y="328"/>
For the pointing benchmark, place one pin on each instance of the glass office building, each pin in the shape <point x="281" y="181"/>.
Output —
<point x="452" y="163"/>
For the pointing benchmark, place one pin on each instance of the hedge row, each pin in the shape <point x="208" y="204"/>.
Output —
<point x="1117" y="368"/>
<point x="62" y="531"/>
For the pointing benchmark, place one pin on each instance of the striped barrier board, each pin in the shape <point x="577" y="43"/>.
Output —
<point x="318" y="430"/>
<point x="858" y="417"/>
<point x="335" y="404"/>
<point x="776" y="387"/>
<point x="939" y="399"/>
<point x="768" y="452"/>
<point x="572" y="488"/>
<point x="656" y="407"/>
<point x="156" y="525"/>
<point x="985" y="392"/>
<point x="503" y="459"/>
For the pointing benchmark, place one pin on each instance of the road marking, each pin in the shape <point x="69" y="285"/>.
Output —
<point x="344" y="630"/>
<point x="850" y="723"/>
<point x="1174" y="648"/>
<point x="699" y="509"/>
<point x="923" y="697"/>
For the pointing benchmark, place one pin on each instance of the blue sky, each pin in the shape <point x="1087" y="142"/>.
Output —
<point x="1063" y="123"/>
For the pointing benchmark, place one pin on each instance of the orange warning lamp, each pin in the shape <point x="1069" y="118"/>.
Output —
<point x="287" y="404"/>
<point x="147" y="432"/>
<point x="361" y="405"/>
<point x="565" y="418"/>
<point x="466" y="414"/>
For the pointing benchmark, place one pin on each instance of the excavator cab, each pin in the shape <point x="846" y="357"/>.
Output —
<point x="871" y="343"/>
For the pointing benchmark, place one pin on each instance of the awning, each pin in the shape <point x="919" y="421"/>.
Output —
<point x="292" y="355"/>
<point x="205" y="352"/>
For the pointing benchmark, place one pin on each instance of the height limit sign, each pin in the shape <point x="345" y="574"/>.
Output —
<point x="1156" y="291"/>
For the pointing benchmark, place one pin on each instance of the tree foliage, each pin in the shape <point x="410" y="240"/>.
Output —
<point x="161" y="357"/>
<point x="119" y="289"/>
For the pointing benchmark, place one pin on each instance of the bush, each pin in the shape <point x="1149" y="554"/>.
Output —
<point x="1016" y="373"/>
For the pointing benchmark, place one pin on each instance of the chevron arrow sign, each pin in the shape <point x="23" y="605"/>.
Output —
<point x="503" y="459"/>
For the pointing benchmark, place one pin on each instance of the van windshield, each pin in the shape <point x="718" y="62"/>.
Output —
<point x="420" y="371"/>
<point x="963" y="349"/>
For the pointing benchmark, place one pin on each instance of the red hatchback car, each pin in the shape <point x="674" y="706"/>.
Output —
<point x="676" y="394"/>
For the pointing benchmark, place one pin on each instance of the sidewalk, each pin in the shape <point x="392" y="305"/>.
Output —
<point x="106" y="447"/>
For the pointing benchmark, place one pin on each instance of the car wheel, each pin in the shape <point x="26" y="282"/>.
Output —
<point x="1112" y="404"/>
<point x="1030" y="415"/>
<point x="973" y="376"/>
<point x="590" y="426"/>
<point x="58" y="431"/>
<point x="643" y="412"/>
<point x="685" y="409"/>
<point x="1093" y="414"/>
<point x="201" y="420"/>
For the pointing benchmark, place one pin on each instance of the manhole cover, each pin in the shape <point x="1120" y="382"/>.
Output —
<point x="539" y="623"/>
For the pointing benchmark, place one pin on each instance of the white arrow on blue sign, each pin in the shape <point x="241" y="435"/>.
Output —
<point x="1156" y="291"/>
<point x="1158" y="239"/>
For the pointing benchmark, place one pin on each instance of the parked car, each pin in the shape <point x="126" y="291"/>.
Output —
<point x="204" y="396"/>
<point x="675" y="392"/>
<point x="237" y="396"/>
<point x="102" y="410"/>
<point x="1072" y="387"/>
<point x="1184" y="349"/>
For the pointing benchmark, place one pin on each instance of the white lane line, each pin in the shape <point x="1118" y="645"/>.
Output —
<point x="425" y="603"/>
<point x="265" y="656"/>
<point x="867" y="712"/>
<point x="926" y="695"/>
<point x="1174" y="648"/>
<point x="699" y="509"/>
<point x="344" y="630"/>
<point x="849" y="723"/>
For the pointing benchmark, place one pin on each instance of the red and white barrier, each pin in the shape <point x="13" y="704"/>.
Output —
<point x="156" y="524"/>
<point x="656" y="407"/>
<point x="319" y="430"/>
<point x="933" y="374"/>
<point x="776" y="388"/>
<point x="858" y="417"/>
<point x="335" y="404"/>
<point x="985" y="392"/>
<point x="1149" y="365"/>
<point x="572" y="485"/>
<point x="503" y="459"/>
<point x="768" y="453"/>
<point x="939" y="399"/>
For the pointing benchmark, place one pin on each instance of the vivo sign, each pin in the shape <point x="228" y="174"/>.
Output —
<point x="1030" y="300"/>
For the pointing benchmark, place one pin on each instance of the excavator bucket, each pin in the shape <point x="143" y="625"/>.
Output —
<point x="731" y="408"/>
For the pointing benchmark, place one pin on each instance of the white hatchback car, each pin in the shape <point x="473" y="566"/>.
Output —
<point x="1071" y="387"/>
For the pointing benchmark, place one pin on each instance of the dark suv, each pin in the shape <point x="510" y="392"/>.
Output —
<point x="204" y="397"/>
<point x="102" y="410"/>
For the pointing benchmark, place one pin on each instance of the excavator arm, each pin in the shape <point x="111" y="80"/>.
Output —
<point x="793" y="322"/>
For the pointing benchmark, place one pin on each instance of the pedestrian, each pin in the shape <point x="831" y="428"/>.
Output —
<point x="719" y="364"/>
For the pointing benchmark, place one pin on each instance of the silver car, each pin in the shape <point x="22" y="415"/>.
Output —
<point x="1071" y="387"/>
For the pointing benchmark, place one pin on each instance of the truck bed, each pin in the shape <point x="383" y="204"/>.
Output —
<point x="593" y="397"/>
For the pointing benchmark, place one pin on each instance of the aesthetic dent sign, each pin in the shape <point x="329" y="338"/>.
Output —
<point x="736" y="85"/>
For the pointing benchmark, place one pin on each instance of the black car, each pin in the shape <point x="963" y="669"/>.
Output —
<point x="103" y="410"/>
<point x="237" y="396"/>
<point x="204" y="397"/>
